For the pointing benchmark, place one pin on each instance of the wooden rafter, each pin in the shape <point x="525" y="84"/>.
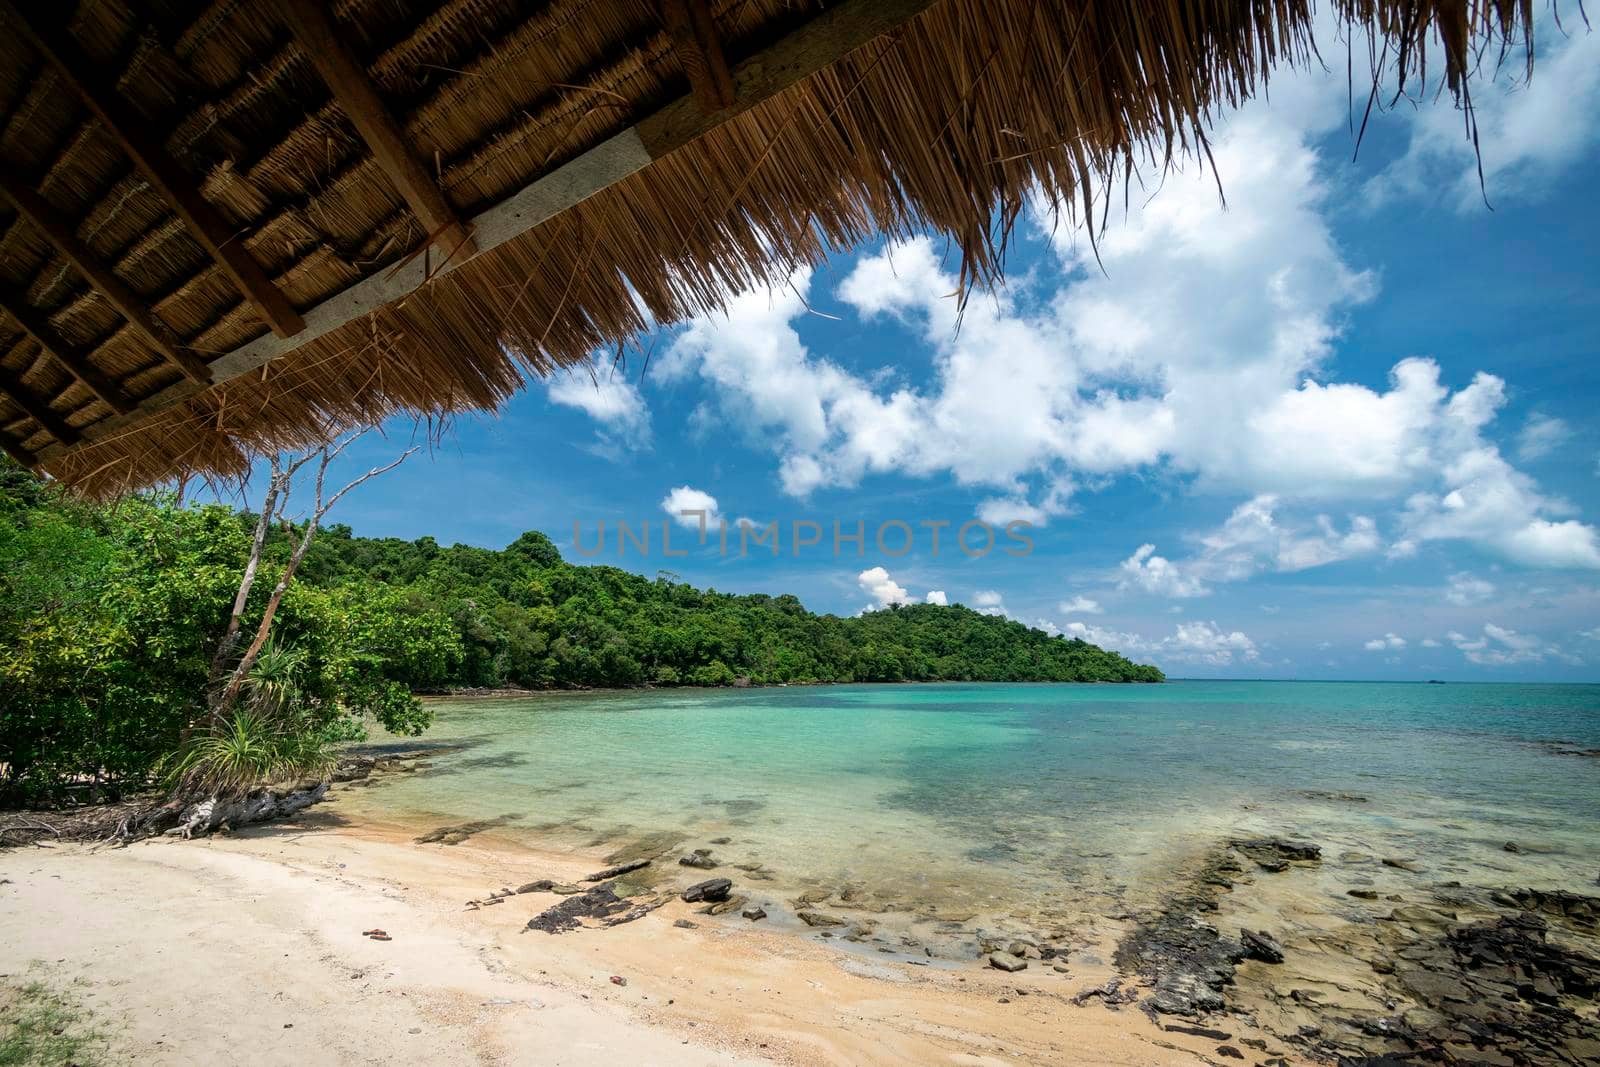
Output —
<point x="699" y="52"/>
<point x="77" y="72"/>
<point x="32" y="320"/>
<point x="844" y="27"/>
<point x="318" y="38"/>
<point x="61" y="234"/>
<point x="36" y="409"/>
<point x="15" y="450"/>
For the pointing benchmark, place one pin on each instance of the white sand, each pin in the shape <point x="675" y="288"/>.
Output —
<point x="249" y="949"/>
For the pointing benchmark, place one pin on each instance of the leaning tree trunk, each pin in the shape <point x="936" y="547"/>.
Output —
<point x="199" y="817"/>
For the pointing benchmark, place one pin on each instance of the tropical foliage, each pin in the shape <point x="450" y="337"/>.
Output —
<point x="110" y="615"/>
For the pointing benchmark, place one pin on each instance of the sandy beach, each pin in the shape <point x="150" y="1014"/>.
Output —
<point x="251" y="945"/>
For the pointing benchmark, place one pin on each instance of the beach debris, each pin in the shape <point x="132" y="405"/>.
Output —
<point x="685" y="924"/>
<point x="754" y="914"/>
<point x="700" y="857"/>
<point x="712" y="889"/>
<point x="1005" y="961"/>
<point x="369" y="933"/>
<point x="819" y="918"/>
<point x="619" y="869"/>
<point x="617" y="979"/>
<point x="1260" y="945"/>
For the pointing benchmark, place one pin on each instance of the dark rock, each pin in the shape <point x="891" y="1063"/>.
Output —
<point x="1198" y="1031"/>
<point x="712" y="889"/>
<point x="1260" y="945"/>
<point x="701" y="858"/>
<point x="818" y="918"/>
<point x="1229" y="1052"/>
<point x="568" y="915"/>
<point x="722" y="840"/>
<point x="685" y="924"/>
<point x="1275" y="854"/>
<point x="1403" y="864"/>
<point x="612" y="872"/>
<point x="543" y="885"/>
<point x="1363" y="894"/>
<point x="755" y="914"/>
<point x="1511" y="846"/>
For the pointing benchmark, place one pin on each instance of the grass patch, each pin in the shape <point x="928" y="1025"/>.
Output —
<point x="41" y="1027"/>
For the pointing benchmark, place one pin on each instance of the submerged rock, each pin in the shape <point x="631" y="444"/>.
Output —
<point x="1275" y="854"/>
<point x="700" y="857"/>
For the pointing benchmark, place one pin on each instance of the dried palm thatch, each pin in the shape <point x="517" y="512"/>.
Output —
<point x="951" y="121"/>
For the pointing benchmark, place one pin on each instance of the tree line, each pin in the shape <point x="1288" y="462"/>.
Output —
<point x="117" y="622"/>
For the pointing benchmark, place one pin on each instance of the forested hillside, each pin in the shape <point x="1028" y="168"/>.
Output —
<point x="110" y="616"/>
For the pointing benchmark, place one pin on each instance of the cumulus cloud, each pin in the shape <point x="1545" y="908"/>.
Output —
<point x="1080" y="605"/>
<point x="1158" y="576"/>
<point x="883" y="590"/>
<point x="988" y="602"/>
<point x="1389" y="642"/>
<point x="599" y="390"/>
<point x="1203" y="319"/>
<point x="683" y="502"/>
<point x="936" y="596"/>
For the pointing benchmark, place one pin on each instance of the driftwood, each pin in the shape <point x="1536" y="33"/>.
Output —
<point x="197" y="818"/>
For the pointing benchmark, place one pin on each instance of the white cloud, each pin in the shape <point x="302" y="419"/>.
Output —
<point x="1158" y="576"/>
<point x="1387" y="642"/>
<point x="1591" y="635"/>
<point x="599" y="389"/>
<point x="1428" y="642"/>
<point x="1202" y="350"/>
<point x="988" y="602"/>
<point x="1080" y="605"/>
<point x="936" y="596"/>
<point x="1253" y="539"/>
<point x="687" y="499"/>
<point x="1190" y="642"/>
<point x="1540" y="436"/>
<point x="1527" y="132"/>
<point x="1467" y="589"/>
<point x="1500" y="646"/>
<point x="883" y="590"/>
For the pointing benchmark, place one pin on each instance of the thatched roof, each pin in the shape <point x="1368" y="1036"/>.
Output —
<point x="233" y="226"/>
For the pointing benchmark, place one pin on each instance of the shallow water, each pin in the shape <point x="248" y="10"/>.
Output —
<point x="1027" y="806"/>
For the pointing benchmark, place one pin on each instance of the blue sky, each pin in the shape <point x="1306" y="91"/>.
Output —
<point x="1342" y="428"/>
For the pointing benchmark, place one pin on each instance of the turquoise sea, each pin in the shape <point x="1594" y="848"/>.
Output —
<point x="960" y="805"/>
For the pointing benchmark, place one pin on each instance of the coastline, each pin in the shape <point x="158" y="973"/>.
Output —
<point x="188" y="951"/>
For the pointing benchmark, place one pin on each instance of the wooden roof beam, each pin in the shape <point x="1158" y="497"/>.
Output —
<point x="15" y="450"/>
<point x="13" y="389"/>
<point x="699" y="52"/>
<point x="61" y="234"/>
<point x="318" y="39"/>
<point x="841" y="29"/>
<point x="38" y="327"/>
<point x="78" y="73"/>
